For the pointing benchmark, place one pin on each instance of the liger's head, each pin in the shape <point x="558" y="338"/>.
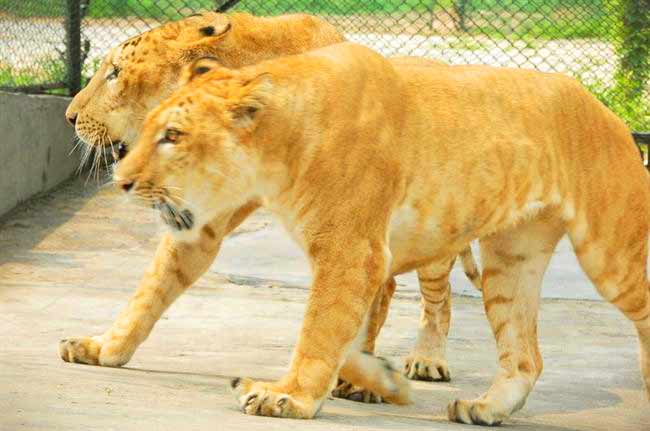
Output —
<point x="136" y="75"/>
<point x="194" y="158"/>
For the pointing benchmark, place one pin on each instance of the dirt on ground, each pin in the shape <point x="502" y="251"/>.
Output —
<point x="70" y="260"/>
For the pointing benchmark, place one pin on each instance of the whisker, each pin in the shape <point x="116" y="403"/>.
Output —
<point x="110" y="142"/>
<point x="77" y="142"/>
<point x="84" y="157"/>
<point x="104" y="153"/>
<point x="178" y="198"/>
<point x="82" y="163"/>
<point x="98" y="161"/>
<point x="93" y="163"/>
<point x="147" y="195"/>
<point x="93" y="167"/>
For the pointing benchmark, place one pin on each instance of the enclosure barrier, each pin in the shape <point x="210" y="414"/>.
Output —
<point x="54" y="46"/>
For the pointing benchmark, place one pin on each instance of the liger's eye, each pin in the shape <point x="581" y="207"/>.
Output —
<point x="113" y="74"/>
<point x="171" y="136"/>
<point x="121" y="151"/>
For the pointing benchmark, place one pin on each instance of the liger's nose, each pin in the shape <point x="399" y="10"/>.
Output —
<point x="72" y="119"/>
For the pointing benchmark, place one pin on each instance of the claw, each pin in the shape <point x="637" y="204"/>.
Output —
<point x="422" y="368"/>
<point x="282" y="401"/>
<point x="250" y="399"/>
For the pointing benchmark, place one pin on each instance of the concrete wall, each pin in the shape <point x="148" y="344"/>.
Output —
<point x="35" y="142"/>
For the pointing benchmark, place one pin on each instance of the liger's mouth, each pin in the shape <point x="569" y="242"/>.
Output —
<point x="95" y="154"/>
<point x="178" y="219"/>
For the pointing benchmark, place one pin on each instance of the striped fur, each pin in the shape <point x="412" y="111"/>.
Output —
<point x="112" y="110"/>
<point x="369" y="169"/>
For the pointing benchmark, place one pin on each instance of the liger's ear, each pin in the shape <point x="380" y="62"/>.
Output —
<point x="199" y="39"/>
<point x="214" y="31"/>
<point x="254" y="97"/>
<point x="197" y="68"/>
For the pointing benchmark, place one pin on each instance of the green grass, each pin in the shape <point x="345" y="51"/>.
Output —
<point x="341" y="7"/>
<point x="527" y="20"/>
<point x="50" y="71"/>
<point x="562" y="27"/>
<point x="530" y="6"/>
<point x="175" y="8"/>
<point x="550" y="19"/>
<point x="163" y="9"/>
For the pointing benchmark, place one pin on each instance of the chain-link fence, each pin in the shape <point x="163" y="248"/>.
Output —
<point x="54" y="46"/>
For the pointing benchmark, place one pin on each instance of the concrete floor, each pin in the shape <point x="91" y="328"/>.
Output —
<point x="69" y="261"/>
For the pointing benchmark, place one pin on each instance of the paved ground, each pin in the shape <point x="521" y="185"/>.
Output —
<point x="68" y="262"/>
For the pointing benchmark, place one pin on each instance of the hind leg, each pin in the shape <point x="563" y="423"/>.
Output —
<point x="614" y="257"/>
<point x="378" y="314"/>
<point x="514" y="262"/>
<point x="427" y="360"/>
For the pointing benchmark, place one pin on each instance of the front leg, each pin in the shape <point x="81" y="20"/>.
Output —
<point x="343" y="290"/>
<point x="175" y="267"/>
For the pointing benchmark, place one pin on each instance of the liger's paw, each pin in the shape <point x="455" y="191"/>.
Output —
<point x="399" y="388"/>
<point x="351" y="392"/>
<point x="474" y="412"/>
<point x="82" y="350"/>
<point x="263" y="399"/>
<point x="93" y="351"/>
<point x="429" y="370"/>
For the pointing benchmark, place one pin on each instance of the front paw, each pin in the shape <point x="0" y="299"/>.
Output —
<point x="82" y="350"/>
<point x="94" y="351"/>
<point x="352" y="392"/>
<point x="474" y="412"/>
<point x="265" y="399"/>
<point x="418" y="367"/>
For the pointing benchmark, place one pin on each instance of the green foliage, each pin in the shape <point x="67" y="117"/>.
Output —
<point x="636" y="113"/>
<point x="631" y="35"/>
<point x="633" y="46"/>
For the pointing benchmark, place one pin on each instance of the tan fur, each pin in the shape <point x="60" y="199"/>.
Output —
<point x="376" y="170"/>
<point x="149" y="65"/>
<point x="108" y="111"/>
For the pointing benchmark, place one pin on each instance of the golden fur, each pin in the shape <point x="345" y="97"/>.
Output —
<point x="377" y="170"/>
<point x="112" y="109"/>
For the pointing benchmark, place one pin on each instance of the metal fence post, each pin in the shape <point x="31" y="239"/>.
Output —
<point x="73" y="46"/>
<point x="223" y="7"/>
<point x="460" y="6"/>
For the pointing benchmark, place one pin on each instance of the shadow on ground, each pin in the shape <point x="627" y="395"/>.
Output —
<point x="70" y="260"/>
